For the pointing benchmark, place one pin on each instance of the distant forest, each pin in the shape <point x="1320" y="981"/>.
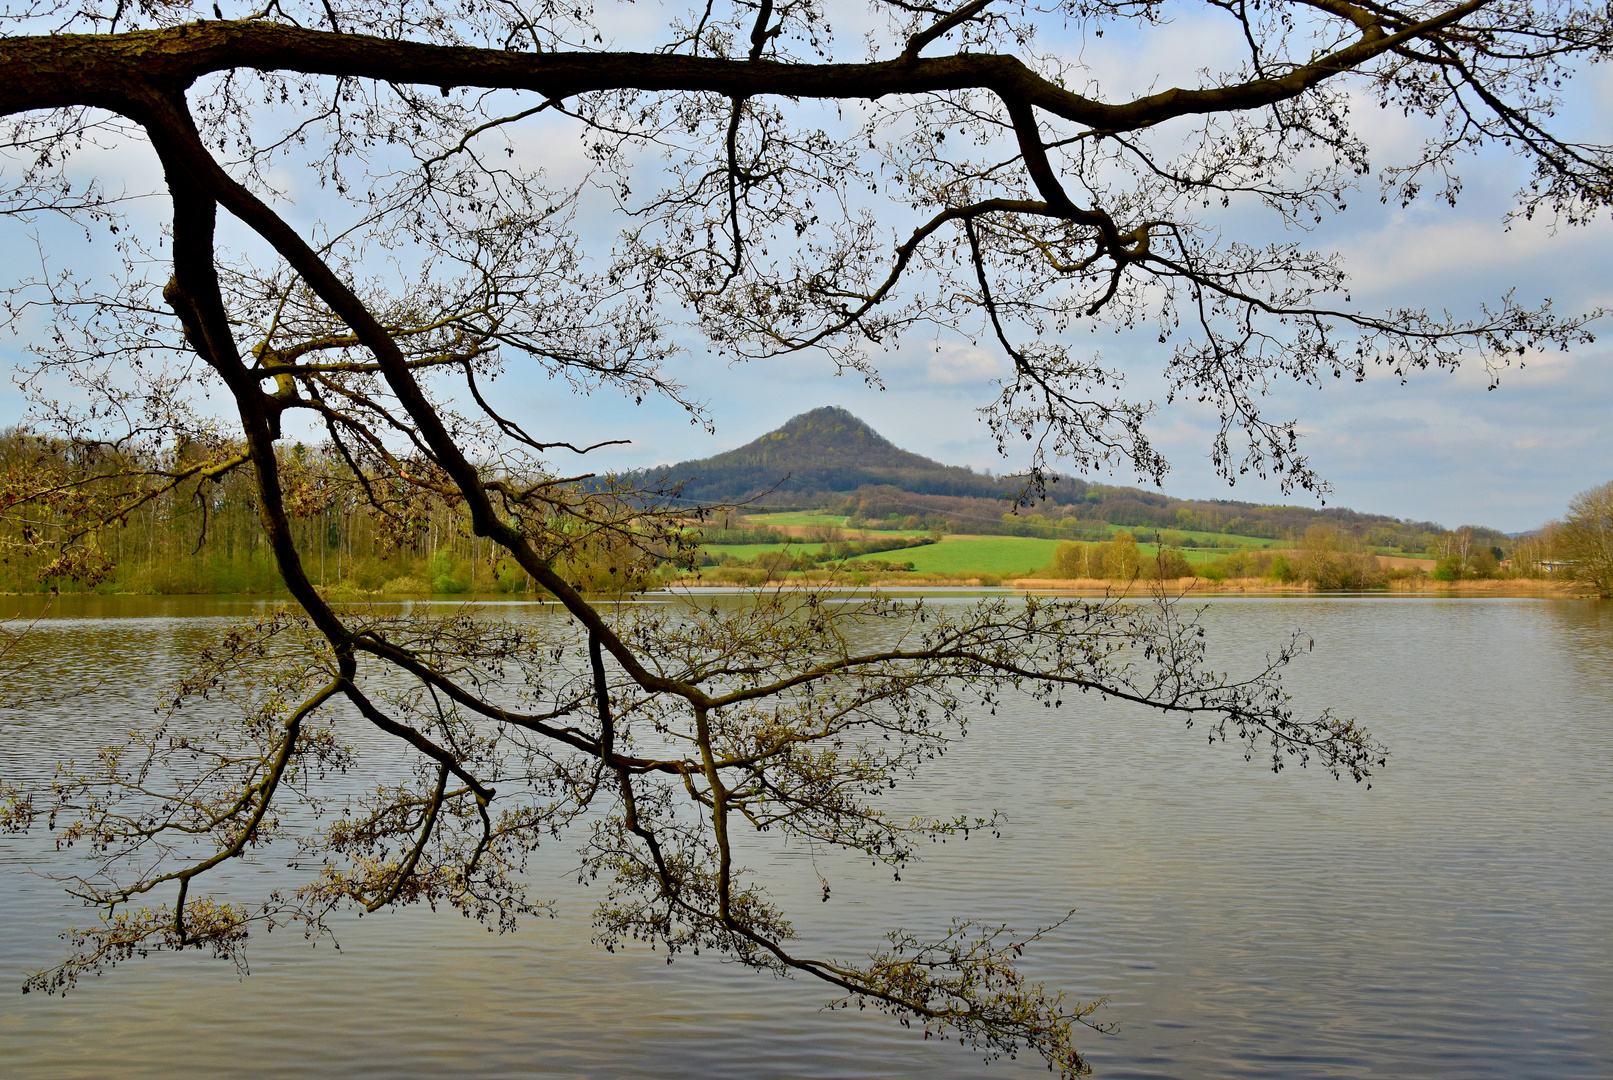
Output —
<point x="1131" y="508"/>
<point x="186" y="521"/>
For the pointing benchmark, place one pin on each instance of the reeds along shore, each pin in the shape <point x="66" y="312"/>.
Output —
<point x="1421" y="584"/>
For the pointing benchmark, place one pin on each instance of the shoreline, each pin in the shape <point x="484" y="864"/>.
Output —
<point x="1484" y="587"/>
<point x="1517" y="587"/>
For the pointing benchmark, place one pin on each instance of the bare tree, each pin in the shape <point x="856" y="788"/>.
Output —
<point x="754" y="167"/>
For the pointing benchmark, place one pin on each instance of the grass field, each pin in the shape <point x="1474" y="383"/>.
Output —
<point x="960" y="554"/>
<point x="802" y="518"/>
<point x="804" y="547"/>
<point x="1000" y="555"/>
<point x="822" y="521"/>
<point x="750" y="551"/>
<point x="1223" y="542"/>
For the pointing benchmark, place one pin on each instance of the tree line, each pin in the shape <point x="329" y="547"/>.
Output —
<point x="185" y="518"/>
<point x="1579" y="548"/>
<point x="1098" y="507"/>
<point x="68" y="522"/>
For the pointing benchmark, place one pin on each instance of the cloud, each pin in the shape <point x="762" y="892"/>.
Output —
<point x="1442" y="447"/>
<point x="963" y="364"/>
<point x="1411" y="253"/>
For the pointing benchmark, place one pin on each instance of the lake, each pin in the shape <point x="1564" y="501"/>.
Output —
<point x="1455" y="920"/>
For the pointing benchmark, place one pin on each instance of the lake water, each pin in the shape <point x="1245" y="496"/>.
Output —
<point x="1455" y="920"/>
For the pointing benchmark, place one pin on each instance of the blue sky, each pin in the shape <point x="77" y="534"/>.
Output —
<point x="1442" y="447"/>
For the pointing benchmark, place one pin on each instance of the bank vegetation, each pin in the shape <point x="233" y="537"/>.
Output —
<point x="69" y="522"/>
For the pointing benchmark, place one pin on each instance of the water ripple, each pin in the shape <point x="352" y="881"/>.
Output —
<point x="1454" y="921"/>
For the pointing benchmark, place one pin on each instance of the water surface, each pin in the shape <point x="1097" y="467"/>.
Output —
<point x="1455" y="920"/>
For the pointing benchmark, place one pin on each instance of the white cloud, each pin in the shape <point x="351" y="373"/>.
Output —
<point x="963" y="364"/>
<point x="1415" y="252"/>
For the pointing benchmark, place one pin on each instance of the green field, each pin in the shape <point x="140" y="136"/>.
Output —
<point x="1194" y="556"/>
<point x="750" y="551"/>
<point x="1000" y="555"/>
<point x="966" y="555"/>
<point x="1212" y="545"/>
<point x="1005" y="556"/>
<point x="822" y="521"/>
<point x="1394" y="554"/>
<point x="803" y="517"/>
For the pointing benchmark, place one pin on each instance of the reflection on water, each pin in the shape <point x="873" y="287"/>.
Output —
<point x="1456" y="920"/>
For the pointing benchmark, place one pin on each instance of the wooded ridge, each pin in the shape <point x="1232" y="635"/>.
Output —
<point x="824" y="457"/>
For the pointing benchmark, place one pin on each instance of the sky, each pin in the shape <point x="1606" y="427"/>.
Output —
<point x="1442" y="447"/>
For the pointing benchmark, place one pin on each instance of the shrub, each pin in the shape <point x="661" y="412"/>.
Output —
<point x="1070" y="560"/>
<point x="448" y="574"/>
<point x="1327" y="563"/>
<point x="1245" y="564"/>
<point x="1167" y="566"/>
<point x="370" y="574"/>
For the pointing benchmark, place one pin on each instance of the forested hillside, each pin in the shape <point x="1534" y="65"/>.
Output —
<point x="829" y="458"/>
<point x="825" y="450"/>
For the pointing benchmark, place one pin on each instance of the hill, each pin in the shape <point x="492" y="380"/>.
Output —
<point x="829" y="458"/>
<point x="824" y="451"/>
